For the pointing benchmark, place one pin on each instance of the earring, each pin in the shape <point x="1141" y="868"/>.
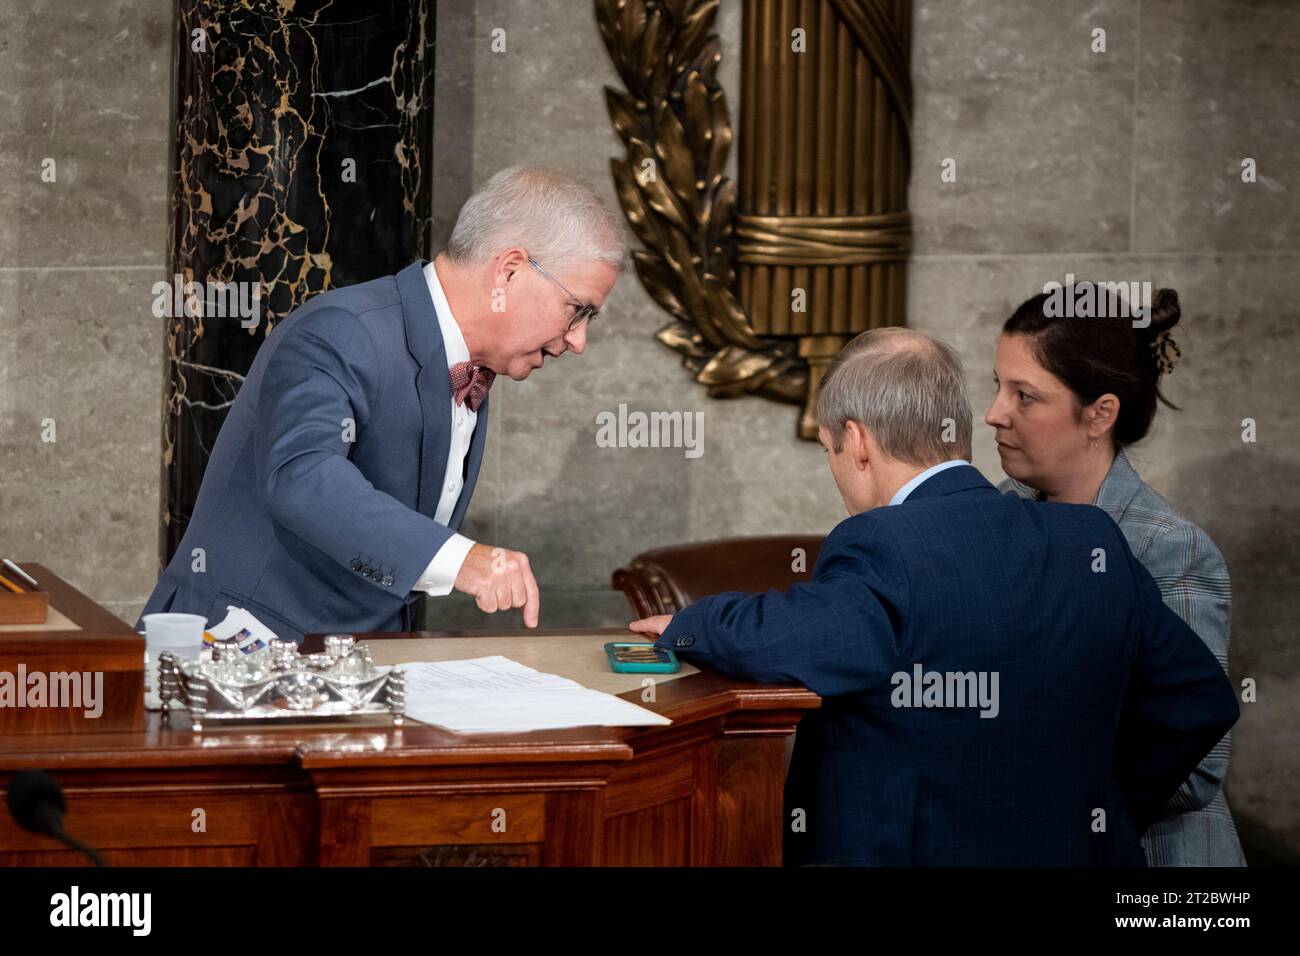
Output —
<point x="1092" y="443"/>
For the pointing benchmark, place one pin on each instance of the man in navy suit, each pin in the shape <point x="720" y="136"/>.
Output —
<point x="1001" y="681"/>
<point x="342" y="473"/>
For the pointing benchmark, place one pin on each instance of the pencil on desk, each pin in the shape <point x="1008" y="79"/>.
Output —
<point x="20" y="573"/>
<point x="10" y="585"/>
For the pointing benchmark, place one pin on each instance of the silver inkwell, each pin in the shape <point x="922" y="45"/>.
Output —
<point x="277" y="682"/>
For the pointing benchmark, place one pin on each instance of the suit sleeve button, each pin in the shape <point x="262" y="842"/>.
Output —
<point x="388" y="580"/>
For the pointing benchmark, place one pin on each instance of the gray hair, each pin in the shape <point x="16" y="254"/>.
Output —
<point x="907" y="388"/>
<point x="557" y="218"/>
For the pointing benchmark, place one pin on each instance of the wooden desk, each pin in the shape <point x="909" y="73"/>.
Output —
<point x="79" y="637"/>
<point x="70" y="610"/>
<point x="706" y="790"/>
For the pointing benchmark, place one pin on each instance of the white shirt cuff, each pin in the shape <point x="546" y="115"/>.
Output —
<point x="440" y="575"/>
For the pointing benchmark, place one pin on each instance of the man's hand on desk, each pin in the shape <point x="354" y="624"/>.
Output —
<point x="652" y="625"/>
<point x="500" y="579"/>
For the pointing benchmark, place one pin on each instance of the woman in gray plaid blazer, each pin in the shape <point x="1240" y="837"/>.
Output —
<point x="1073" y="392"/>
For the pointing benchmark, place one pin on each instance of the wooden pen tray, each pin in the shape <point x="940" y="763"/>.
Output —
<point x="29" y="607"/>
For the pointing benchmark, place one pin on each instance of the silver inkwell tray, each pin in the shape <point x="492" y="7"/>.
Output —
<point x="278" y="683"/>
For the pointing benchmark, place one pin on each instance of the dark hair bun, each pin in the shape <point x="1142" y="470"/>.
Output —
<point x="1095" y="357"/>
<point x="1165" y="311"/>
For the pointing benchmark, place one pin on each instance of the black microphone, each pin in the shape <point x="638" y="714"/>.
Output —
<point x="36" y="803"/>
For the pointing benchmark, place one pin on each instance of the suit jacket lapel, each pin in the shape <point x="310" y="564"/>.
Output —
<point x="1024" y="491"/>
<point x="432" y="383"/>
<point x="434" y="387"/>
<point x="1118" y="488"/>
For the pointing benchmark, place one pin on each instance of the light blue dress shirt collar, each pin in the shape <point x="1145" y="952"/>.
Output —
<point x="901" y="494"/>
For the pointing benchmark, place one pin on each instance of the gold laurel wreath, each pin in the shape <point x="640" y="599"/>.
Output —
<point x="675" y="127"/>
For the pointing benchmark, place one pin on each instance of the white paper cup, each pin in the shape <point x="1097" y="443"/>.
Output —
<point x="182" y="634"/>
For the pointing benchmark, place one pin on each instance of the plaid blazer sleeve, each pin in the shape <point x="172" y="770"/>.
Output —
<point x="1177" y="704"/>
<point x="1193" y="581"/>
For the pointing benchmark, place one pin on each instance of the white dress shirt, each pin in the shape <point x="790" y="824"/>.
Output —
<point x="440" y="575"/>
<point x="901" y="494"/>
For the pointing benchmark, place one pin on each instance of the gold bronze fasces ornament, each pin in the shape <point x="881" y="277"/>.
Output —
<point x="823" y="240"/>
<point x="881" y="29"/>
<point x="767" y="278"/>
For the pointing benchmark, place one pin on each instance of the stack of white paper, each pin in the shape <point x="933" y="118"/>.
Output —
<point x="496" y="695"/>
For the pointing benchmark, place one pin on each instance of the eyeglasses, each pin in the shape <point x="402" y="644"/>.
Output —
<point x="583" y="312"/>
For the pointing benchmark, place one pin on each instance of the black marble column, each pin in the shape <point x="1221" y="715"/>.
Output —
<point x="301" y="161"/>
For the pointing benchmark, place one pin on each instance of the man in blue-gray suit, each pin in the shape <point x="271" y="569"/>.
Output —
<point x="342" y="473"/>
<point x="1001" y="681"/>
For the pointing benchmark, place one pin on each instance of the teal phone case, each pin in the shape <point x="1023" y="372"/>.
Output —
<point x="671" y="666"/>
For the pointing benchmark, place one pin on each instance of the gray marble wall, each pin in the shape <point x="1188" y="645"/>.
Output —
<point x="86" y="86"/>
<point x="1122" y="165"/>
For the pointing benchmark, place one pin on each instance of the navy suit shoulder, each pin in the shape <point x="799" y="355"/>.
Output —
<point x="1035" y="623"/>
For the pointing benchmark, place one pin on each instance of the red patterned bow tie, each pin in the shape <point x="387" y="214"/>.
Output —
<point x="472" y="382"/>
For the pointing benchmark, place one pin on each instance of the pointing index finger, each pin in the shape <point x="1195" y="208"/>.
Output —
<point x="533" y="606"/>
